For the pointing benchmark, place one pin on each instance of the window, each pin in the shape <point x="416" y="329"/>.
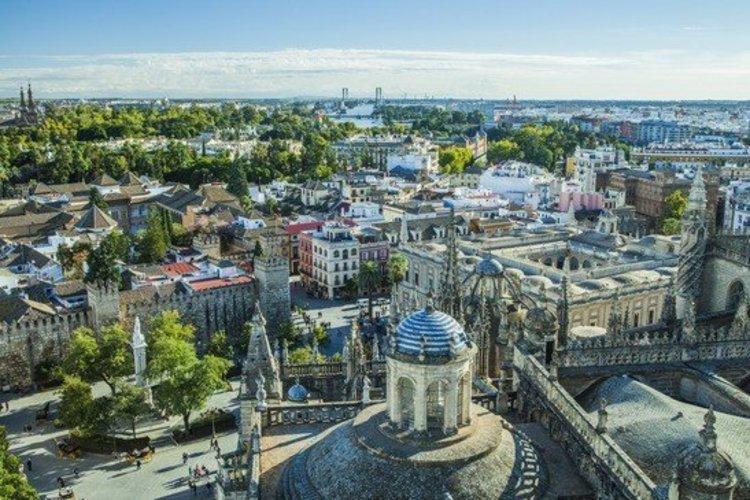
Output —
<point x="335" y="254"/>
<point x="651" y="317"/>
<point x="345" y="254"/>
<point x="354" y="252"/>
<point x="636" y="319"/>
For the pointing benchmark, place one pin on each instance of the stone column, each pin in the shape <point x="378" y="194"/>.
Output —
<point x="420" y="406"/>
<point x="466" y="400"/>
<point x="450" y="415"/>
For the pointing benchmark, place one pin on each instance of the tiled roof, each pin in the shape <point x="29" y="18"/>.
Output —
<point x="104" y="180"/>
<point x="179" y="268"/>
<point x="212" y="283"/>
<point x="14" y="309"/>
<point x="95" y="218"/>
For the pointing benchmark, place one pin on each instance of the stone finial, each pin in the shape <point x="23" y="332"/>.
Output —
<point x="552" y="371"/>
<point x="708" y="433"/>
<point x="423" y="348"/>
<point x="365" y="390"/>
<point x="314" y="346"/>
<point x="260" y="394"/>
<point x="429" y="308"/>
<point x="277" y="350"/>
<point x="602" y="415"/>
<point x="375" y="347"/>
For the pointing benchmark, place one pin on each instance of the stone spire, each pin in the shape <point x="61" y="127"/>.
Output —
<point x="451" y="294"/>
<point x="260" y="358"/>
<point x="403" y="237"/>
<point x="30" y="100"/>
<point x="572" y="215"/>
<point x="688" y="321"/>
<point x="708" y="433"/>
<point x="668" y="309"/>
<point x="740" y="320"/>
<point x="23" y="100"/>
<point x="614" y="323"/>
<point x="563" y="313"/>
<point x="139" y="353"/>
<point x="697" y="197"/>
<point x="692" y="244"/>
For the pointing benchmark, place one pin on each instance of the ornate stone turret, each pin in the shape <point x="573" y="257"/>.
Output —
<point x="668" y="310"/>
<point x="688" y="322"/>
<point x="451" y="291"/>
<point x="563" y="314"/>
<point x="601" y="417"/>
<point x="429" y="374"/>
<point x="740" y="320"/>
<point x="403" y="235"/>
<point x="614" y="322"/>
<point x="705" y="472"/>
<point x="692" y="244"/>
<point x="260" y="359"/>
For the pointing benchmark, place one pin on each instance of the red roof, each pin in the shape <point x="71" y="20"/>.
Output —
<point x="303" y="226"/>
<point x="212" y="283"/>
<point x="179" y="268"/>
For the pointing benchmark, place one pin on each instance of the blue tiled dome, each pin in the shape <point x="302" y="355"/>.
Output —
<point x="297" y="393"/>
<point x="431" y="330"/>
<point x="489" y="266"/>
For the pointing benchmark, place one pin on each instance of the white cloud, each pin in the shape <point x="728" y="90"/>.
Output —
<point x="664" y="74"/>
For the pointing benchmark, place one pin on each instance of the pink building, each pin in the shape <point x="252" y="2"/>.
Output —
<point x="581" y="201"/>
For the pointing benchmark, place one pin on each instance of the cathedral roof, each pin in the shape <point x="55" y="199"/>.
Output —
<point x="358" y="459"/>
<point x="430" y="332"/>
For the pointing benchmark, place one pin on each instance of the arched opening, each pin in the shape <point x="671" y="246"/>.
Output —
<point x="435" y="399"/>
<point x="548" y="261"/>
<point x="736" y="291"/>
<point x="586" y="264"/>
<point x="560" y="262"/>
<point x="406" y="403"/>
<point x="574" y="263"/>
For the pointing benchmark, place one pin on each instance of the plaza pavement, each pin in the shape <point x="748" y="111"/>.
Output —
<point x="107" y="477"/>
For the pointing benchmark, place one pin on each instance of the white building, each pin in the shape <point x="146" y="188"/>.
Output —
<point x="737" y="206"/>
<point x="519" y="182"/>
<point x="329" y="258"/>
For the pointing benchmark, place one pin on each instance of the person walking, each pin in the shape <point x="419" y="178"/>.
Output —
<point x="193" y="487"/>
<point x="184" y="458"/>
<point x="75" y="472"/>
<point x="28" y="465"/>
<point x="138" y="465"/>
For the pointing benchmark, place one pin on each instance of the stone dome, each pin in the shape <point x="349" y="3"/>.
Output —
<point x="489" y="266"/>
<point x="297" y="393"/>
<point x="430" y="332"/>
<point x="363" y="458"/>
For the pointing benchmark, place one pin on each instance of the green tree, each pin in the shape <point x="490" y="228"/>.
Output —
<point x="102" y="262"/>
<point x="72" y="258"/>
<point x="289" y="332"/>
<point x="189" y="386"/>
<point x="671" y="226"/>
<point x="321" y="335"/>
<point x="237" y="183"/>
<point x="76" y="402"/>
<point x="397" y="268"/>
<point x="454" y="159"/>
<point x="106" y="356"/>
<point x="96" y="199"/>
<point x="675" y="205"/>
<point x="180" y="235"/>
<point x="13" y="483"/>
<point x="304" y="355"/>
<point x="131" y="404"/>
<point x="171" y="344"/>
<point x="219" y="345"/>
<point x="369" y="281"/>
<point x="503" y="150"/>
<point x="154" y="241"/>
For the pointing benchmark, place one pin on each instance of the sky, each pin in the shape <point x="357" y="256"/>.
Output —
<point x="539" y="49"/>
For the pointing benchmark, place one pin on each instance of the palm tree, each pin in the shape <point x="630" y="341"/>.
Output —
<point x="369" y="279"/>
<point x="397" y="267"/>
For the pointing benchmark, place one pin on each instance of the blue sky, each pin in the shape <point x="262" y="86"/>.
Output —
<point x="537" y="49"/>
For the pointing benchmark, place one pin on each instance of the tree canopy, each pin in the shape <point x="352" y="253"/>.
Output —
<point x="13" y="483"/>
<point x="105" y="356"/>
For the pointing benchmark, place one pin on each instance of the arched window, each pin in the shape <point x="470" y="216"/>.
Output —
<point x="345" y="254"/>
<point x="335" y="254"/>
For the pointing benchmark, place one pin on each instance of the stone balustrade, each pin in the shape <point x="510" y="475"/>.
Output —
<point x="631" y="481"/>
<point x="296" y="414"/>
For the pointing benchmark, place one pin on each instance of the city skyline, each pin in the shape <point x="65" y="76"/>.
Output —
<point x="646" y="50"/>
